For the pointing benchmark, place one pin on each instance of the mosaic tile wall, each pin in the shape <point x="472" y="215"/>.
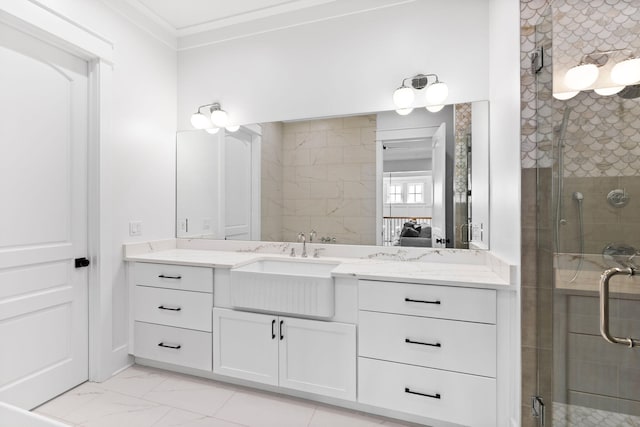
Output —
<point x="462" y="131"/>
<point x="530" y="13"/>
<point x="602" y="137"/>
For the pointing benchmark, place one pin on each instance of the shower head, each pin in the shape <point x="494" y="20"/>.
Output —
<point x="578" y="196"/>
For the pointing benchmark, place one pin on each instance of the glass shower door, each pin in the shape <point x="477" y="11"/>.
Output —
<point x="589" y="168"/>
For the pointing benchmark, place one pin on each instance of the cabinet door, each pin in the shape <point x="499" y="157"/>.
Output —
<point x="318" y="357"/>
<point x="245" y="345"/>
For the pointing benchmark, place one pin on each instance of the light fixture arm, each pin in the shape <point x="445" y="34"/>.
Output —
<point x="601" y="57"/>
<point x="212" y="107"/>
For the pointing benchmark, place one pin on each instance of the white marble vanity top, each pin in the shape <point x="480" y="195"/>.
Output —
<point x="493" y="274"/>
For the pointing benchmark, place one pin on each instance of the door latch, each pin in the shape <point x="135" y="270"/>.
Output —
<point x="82" y="262"/>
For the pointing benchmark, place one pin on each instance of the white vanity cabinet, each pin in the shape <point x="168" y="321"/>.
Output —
<point x="172" y="314"/>
<point x="301" y="354"/>
<point x="428" y="350"/>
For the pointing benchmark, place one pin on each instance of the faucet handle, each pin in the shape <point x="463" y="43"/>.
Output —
<point x="293" y="252"/>
<point x="312" y="235"/>
<point x="316" y="252"/>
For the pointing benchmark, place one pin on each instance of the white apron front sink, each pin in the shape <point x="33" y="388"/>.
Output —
<point x="298" y="287"/>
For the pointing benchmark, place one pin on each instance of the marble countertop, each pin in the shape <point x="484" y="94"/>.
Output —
<point x="468" y="275"/>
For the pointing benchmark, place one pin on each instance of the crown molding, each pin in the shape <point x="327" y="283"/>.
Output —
<point x="146" y="20"/>
<point x="321" y="12"/>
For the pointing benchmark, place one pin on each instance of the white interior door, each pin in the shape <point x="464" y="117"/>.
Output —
<point x="439" y="170"/>
<point x="238" y="186"/>
<point x="43" y="220"/>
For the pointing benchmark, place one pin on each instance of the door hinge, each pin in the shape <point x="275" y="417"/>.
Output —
<point x="537" y="409"/>
<point x="537" y="62"/>
<point x="82" y="262"/>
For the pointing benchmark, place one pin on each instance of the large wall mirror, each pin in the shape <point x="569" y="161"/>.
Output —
<point x="373" y="179"/>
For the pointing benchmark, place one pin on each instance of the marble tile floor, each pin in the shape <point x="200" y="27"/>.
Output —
<point x="144" y="397"/>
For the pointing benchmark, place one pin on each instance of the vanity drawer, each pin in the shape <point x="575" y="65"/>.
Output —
<point x="445" y="302"/>
<point x="179" y="346"/>
<point x="448" y="396"/>
<point x="198" y="279"/>
<point x="436" y="343"/>
<point x="183" y="309"/>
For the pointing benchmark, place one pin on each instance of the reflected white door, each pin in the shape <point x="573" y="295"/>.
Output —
<point x="43" y="220"/>
<point x="439" y="215"/>
<point x="238" y="186"/>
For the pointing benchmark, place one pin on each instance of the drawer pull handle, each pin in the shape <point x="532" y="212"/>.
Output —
<point x="174" y="347"/>
<point x="433" y="396"/>
<point x="162" y="307"/>
<point x="163" y="276"/>
<point x="407" y="340"/>
<point x="422" y="301"/>
<point x="281" y="334"/>
<point x="273" y="329"/>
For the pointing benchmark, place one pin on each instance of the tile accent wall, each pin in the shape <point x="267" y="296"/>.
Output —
<point x="329" y="179"/>
<point x="462" y="133"/>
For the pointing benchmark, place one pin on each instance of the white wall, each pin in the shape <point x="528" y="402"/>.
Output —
<point x="504" y="180"/>
<point x="142" y="150"/>
<point x="346" y="65"/>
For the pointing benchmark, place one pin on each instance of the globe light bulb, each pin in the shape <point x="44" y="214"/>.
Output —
<point x="626" y="72"/>
<point x="434" y="108"/>
<point x="608" y="91"/>
<point x="403" y="97"/>
<point x="212" y="131"/>
<point x="437" y="93"/>
<point x="404" y="111"/>
<point x="200" y="121"/>
<point x="233" y="128"/>
<point x="563" y="96"/>
<point x="220" y="118"/>
<point x="581" y="76"/>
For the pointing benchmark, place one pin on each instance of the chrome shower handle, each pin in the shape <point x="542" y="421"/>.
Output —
<point x="604" y="307"/>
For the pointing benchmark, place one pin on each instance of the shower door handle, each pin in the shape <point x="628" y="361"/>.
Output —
<point x="604" y="307"/>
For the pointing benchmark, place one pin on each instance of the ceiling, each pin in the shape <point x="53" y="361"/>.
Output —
<point x="218" y="20"/>
<point x="186" y="14"/>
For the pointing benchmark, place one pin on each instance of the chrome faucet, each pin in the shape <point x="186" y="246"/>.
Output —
<point x="312" y="235"/>
<point x="302" y="239"/>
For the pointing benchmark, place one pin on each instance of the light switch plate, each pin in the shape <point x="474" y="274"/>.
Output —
<point x="135" y="228"/>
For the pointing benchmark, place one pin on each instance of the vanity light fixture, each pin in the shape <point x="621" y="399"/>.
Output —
<point x="436" y="93"/>
<point x="212" y="122"/>
<point x="587" y="72"/>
